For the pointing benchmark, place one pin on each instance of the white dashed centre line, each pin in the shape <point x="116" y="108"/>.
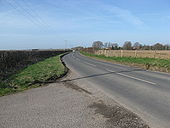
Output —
<point x="90" y="64"/>
<point x="135" y="78"/>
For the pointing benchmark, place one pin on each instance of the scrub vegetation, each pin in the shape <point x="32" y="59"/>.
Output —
<point x="33" y="76"/>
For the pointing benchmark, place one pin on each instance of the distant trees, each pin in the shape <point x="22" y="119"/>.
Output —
<point x="158" y="46"/>
<point x="127" y="45"/>
<point x="113" y="46"/>
<point x="97" y="44"/>
<point x="146" y="47"/>
<point x="137" y="46"/>
<point x="166" y="47"/>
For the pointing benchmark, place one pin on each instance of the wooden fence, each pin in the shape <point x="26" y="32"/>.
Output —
<point x="161" y="54"/>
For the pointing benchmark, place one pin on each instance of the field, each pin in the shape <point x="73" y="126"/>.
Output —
<point x="33" y="76"/>
<point x="161" y="54"/>
<point x="146" y="63"/>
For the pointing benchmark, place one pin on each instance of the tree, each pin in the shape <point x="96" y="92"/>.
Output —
<point x="158" y="46"/>
<point x="137" y="46"/>
<point x="166" y="47"/>
<point x="127" y="45"/>
<point x="114" y="46"/>
<point x="97" y="44"/>
<point x="105" y="45"/>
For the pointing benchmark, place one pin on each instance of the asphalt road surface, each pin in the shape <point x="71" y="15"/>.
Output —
<point x="144" y="92"/>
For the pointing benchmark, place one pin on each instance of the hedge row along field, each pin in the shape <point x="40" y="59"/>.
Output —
<point x="13" y="61"/>
<point x="34" y="75"/>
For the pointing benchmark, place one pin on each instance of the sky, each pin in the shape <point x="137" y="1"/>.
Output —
<point x="44" y="24"/>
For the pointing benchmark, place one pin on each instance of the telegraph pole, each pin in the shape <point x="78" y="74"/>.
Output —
<point x="65" y="44"/>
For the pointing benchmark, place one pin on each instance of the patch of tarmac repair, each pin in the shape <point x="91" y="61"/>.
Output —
<point x="71" y="85"/>
<point x="118" y="117"/>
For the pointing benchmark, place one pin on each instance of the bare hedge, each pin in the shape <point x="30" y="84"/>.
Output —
<point x="13" y="61"/>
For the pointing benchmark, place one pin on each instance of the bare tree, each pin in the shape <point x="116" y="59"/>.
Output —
<point x="106" y="45"/>
<point x="137" y="46"/>
<point x="166" y="47"/>
<point x="127" y="45"/>
<point x="97" y="44"/>
<point x="114" y="46"/>
<point x="158" y="46"/>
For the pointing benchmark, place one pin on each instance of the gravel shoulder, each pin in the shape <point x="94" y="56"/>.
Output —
<point x="65" y="104"/>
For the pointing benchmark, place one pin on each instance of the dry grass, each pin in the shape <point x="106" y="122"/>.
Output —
<point x="146" y="63"/>
<point x="161" y="54"/>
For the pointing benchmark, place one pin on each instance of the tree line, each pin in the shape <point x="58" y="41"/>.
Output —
<point x="128" y="45"/>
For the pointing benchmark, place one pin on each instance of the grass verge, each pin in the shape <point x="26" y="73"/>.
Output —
<point x="146" y="63"/>
<point x="33" y="76"/>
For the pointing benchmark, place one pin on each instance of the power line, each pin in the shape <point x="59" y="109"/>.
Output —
<point x="34" y="13"/>
<point x="35" y="19"/>
<point x="26" y="11"/>
<point x="14" y="6"/>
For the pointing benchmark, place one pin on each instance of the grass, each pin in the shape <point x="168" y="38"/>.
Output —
<point x="148" y="63"/>
<point x="33" y="76"/>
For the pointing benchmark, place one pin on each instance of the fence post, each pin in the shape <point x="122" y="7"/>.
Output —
<point x="121" y="53"/>
<point x="155" y="54"/>
<point x="135" y="53"/>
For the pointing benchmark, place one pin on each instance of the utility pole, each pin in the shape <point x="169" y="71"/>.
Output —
<point x="65" y="44"/>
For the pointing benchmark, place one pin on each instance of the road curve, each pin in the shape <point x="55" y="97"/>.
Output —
<point x="144" y="92"/>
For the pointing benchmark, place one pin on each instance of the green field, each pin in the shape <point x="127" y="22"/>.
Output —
<point x="33" y="76"/>
<point x="147" y="63"/>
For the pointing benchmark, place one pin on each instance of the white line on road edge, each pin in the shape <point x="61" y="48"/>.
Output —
<point x="132" y="77"/>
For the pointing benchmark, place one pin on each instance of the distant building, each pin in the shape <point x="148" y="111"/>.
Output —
<point x="77" y="48"/>
<point x="35" y="49"/>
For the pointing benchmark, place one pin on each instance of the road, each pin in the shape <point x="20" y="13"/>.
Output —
<point x="144" y="92"/>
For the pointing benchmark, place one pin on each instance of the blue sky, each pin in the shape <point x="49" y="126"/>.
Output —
<point x="26" y="24"/>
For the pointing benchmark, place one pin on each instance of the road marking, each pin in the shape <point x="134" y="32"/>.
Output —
<point x="136" y="78"/>
<point x="132" y="77"/>
<point x="90" y="64"/>
<point x="110" y="70"/>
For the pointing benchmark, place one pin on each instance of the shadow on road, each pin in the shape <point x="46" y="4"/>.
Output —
<point x="102" y="74"/>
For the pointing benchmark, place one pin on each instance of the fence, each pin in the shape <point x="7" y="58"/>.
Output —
<point x="161" y="54"/>
<point x="135" y="53"/>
